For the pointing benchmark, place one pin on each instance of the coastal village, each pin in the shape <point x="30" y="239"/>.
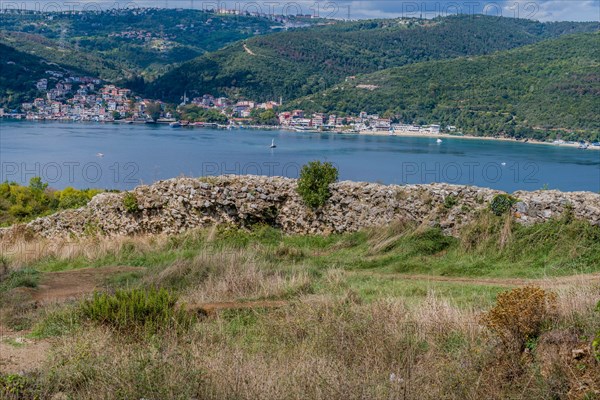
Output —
<point x="74" y="98"/>
<point x="87" y="99"/>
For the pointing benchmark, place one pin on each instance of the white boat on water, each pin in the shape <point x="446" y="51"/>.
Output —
<point x="99" y="155"/>
<point x="302" y="128"/>
<point x="175" y="124"/>
<point x="438" y="141"/>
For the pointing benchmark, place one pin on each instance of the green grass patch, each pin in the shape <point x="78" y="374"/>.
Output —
<point x="14" y="343"/>
<point x="56" y="323"/>
<point x="26" y="277"/>
<point x="370" y="287"/>
<point x="124" y="279"/>
<point x="490" y="247"/>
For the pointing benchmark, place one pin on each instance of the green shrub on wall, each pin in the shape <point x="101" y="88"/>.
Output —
<point x="502" y="203"/>
<point x="130" y="202"/>
<point x="314" y="181"/>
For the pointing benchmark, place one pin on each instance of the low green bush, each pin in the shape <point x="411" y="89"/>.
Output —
<point x="450" y="201"/>
<point x="137" y="310"/>
<point x="130" y="202"/>
<point x="24" y="203"/>
<point x="502" y="203"/>
<point x="17" y="387"/>
<point x="314" y="181"/>
<point x="73" y="198"/>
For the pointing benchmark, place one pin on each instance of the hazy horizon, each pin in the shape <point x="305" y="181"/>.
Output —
<point x="542" y="10"/>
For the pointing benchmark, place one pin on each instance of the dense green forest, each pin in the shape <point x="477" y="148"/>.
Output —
<point x="76" y="60"/>
<point x="305" y="61"/>
<point x="130" y="41"/>
<point x="18" y="74"/>
<point x="528" y="91"/>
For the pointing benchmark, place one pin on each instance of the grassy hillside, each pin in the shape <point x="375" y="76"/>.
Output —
<point x="554" y="84"/>
<point x="379" y="314"/>
<point x="301" y="62"/>
<point x="131" y="41"/>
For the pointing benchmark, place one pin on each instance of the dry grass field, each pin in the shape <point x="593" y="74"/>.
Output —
<point x="402" y="312"/>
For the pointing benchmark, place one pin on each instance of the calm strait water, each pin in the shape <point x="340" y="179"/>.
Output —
<point x="67" y="154"/>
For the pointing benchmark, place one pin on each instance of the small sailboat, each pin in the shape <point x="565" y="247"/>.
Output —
<point x="273" y="145"/>
<point x="503" y="164"/>
<point x="99" y="155"/>
<point x="439" y="140"/>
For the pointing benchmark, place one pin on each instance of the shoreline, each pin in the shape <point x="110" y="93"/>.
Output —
<point x="471" y="137"/>
<point x="339" y="132"/>
<point x="447" y="136"/>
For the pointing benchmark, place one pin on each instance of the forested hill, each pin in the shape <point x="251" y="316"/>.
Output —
<point x="18" y="74"/>
<point x="66" y="55"/>
<point x="132" y="41"/>
<point x="297" y="63"/>
<point x="550" y="85"/>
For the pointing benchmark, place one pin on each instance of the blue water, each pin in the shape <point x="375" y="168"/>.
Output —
<point x="66" y="154"/>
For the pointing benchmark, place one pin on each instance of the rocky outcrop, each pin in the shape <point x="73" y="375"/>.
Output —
<point x="180" y="204"/>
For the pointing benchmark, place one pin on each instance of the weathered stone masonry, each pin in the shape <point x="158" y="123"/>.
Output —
<point x="176" y="205"/>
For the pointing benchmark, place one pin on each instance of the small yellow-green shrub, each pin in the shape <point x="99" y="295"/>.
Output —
<point x="519" y="315"/>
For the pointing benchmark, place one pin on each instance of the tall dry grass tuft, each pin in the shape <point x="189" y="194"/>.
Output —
<point x="384" y="238"/>
<point x="575" y="300"/>
<point x="23" y="252"/>
<point x="506" y="234"/>
<point x="95" y="364"/>
<point x="438" y="318"/>
<point x="479" y="232"/>
<point x="237" y="275"/>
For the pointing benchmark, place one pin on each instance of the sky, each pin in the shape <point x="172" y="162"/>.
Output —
<point x="542" y="10"/>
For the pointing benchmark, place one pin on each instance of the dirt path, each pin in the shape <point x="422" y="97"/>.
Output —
<point x="67" y="285"/>
<point x="248" y="50"/>
<point x="216" y="307"/>
<point x="21" y="354"/>
<point x="18" y="354"/>
<point x="504" y="282"/>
